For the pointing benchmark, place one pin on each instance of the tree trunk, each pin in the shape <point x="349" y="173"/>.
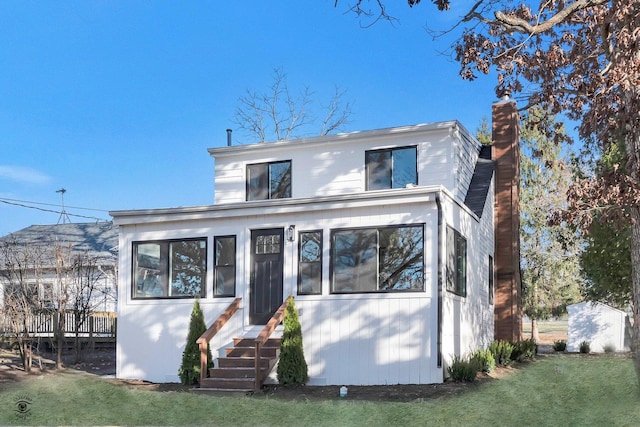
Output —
<point x="635" y="280"/>
<point x="60" y="326"/>
<point x="534" y="330"/>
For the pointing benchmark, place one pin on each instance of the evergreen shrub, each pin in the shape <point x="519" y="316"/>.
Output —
<point x="559" y="345"/>
<point x="501" y="351"/>
<point x="484" y="360"/>
<point x="585" y="347"/>
<point x="525" y="349"/>
<point x="189" y="371"/>
<point x="463" y="369"/>
<point x="292" y="367"/>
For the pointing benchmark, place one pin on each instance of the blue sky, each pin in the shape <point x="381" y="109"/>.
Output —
<point x="118" y="101"/>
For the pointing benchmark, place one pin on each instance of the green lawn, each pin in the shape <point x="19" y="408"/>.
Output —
<point x="555" y="390"/>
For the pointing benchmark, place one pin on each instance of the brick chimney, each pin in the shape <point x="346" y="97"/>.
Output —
<point x="508" y="286"/>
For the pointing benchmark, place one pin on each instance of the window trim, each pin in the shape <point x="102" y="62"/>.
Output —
<point x="320" y="262"/>
<point x="376" y="228"/>
<point x="492" y="280"/>
<point x="268" y="189"/>
<point x="166" y="268"/>
<point x="215" y="266"/>
<point x="457" y="287"/>
<point x="391" y="150"/>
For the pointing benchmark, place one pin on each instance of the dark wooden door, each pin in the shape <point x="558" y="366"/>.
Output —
<point x="266" y="274"/>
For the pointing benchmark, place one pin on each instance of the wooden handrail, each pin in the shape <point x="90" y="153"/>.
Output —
<point x="204" y="339"/>
<point x="264" y="335"/>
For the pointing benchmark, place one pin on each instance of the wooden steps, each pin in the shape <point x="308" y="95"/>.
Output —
<point x="236" y="370"/>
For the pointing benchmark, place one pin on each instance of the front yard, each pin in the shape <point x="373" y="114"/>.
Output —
<point x="554" y="390"/>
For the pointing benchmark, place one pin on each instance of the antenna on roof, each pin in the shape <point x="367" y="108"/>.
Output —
<point x="64" y="217"/>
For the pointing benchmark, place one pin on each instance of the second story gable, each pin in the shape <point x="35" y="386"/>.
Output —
<point x="437" y="154"/>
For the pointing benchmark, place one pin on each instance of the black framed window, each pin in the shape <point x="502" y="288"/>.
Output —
<point x="224" y="284"/>
<point x="491" y="278"/>
<point x="310" y="262"/>
<point x="170" y="268"/>
<point x="381" y="259"/>
<point x="391" y="168"/>
<point x="456" y="262"/>
<point x="269" y="180"/>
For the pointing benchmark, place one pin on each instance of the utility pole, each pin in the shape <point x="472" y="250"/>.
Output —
<point x="64" y="217"/>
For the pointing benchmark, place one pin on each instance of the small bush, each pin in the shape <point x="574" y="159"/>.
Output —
<point x="189" y="370"/>
<point x="484" y="360"/>
<point x="522" y="350"/>
<point x="585" y="347"/>
<point x="501" y="351"/>
<point x="560" y="345"/>
<point x="463" y="369"/>
<point x="292" y="367"/>
<point x="609" y="348"/>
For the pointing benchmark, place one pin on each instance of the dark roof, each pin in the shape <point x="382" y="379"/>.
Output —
<point x="99" y="239"/>
<point x="480" y="182"/>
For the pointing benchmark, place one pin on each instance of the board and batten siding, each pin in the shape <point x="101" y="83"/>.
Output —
<point x="393" y="335"/>
<point x="468" y="320"/>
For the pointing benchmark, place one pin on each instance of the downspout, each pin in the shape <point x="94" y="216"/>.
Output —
<point x="440" y="245"/>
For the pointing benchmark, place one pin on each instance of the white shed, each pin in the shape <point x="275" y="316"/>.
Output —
<point x="599" y="324"/>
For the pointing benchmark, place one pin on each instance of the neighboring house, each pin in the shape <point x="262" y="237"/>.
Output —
<point x="385" y="238"/>
<point x="97" y="240"/>
<point x="602" y="326"/>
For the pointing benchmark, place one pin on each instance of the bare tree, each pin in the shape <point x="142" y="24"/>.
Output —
<point x="21" y="273"/>
<point x="278" y="114"/>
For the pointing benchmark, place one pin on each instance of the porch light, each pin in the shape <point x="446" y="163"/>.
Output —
<point x="291" y="233"/>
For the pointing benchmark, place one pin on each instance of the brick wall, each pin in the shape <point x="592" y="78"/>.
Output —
<point x="506" y="152"/>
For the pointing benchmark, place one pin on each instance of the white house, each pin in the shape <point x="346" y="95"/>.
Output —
<point x="600" y="325"/>
<point x="98" y="241"/>
<point x="385" y="238"/>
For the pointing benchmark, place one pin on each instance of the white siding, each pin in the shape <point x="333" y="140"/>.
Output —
<point x="348" y="339"/>
<point x="598" y="324"/>
<point x="332" y="167"/>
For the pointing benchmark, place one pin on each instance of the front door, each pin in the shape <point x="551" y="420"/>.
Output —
<point x="266" y="274"/>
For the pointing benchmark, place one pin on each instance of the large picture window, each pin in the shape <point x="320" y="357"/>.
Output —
<point x="225" y="266"/>
<point x="269" y="180"/>
<point x="379" y="259"/>
<point x="169" y="269"/>
<point x="310" y="263"/>
<point x="456" y="263"/>
<point x="391" y="168"/>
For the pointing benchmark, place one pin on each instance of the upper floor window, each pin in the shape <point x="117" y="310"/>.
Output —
<point x="391" y="168"/>
<point x="377" y="259"/>
<point x="170" y="268"/>
<point x="456" y="262"/>
<point x="269" y="180"/>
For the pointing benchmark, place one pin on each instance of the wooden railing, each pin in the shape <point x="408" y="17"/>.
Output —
<point x="204" y="339"/>
<point x="264" y="335"/>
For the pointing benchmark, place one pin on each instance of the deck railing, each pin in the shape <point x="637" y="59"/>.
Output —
<point x="101" y="324"/>
<point x="204" y="339"/>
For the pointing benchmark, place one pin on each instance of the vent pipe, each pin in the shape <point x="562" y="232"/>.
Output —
<point x="229" y="137"/>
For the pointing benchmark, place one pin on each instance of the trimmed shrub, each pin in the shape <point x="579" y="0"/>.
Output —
<point x="463" y="369"/>
<point x="522" y="350"/>
<point x="560" y="345"/>
<point x="585" y="347"/>
<point x="501" y="351"/>
<point x="484" y="360"/>
<point x="189" y="371"/>
<point x="292" y="368"/>
<point x="609" y="348"/>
